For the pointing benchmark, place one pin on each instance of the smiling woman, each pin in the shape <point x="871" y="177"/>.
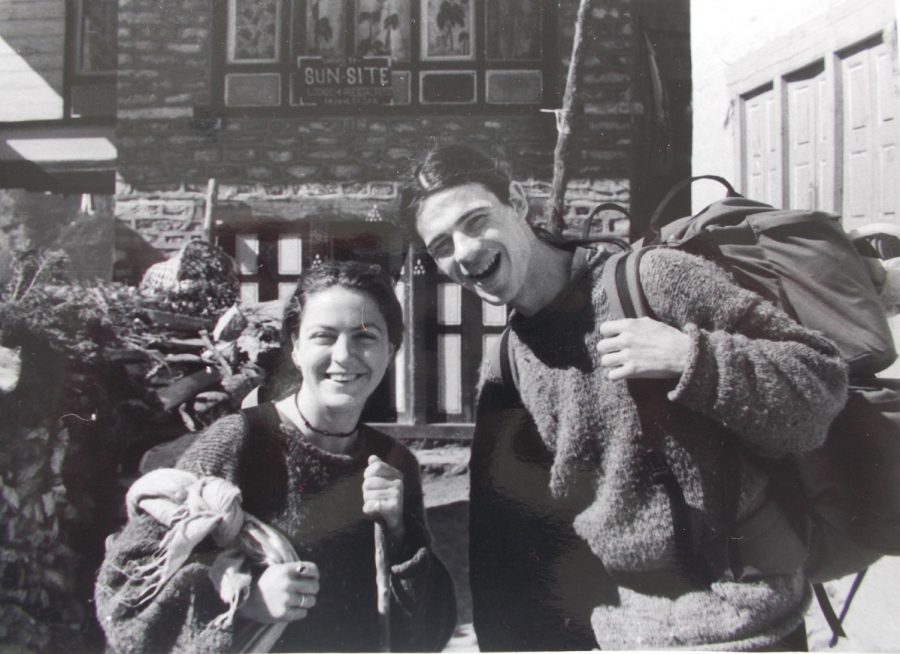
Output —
<point x="304" y="465"/>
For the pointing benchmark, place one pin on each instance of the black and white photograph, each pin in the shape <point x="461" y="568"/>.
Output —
<point x="449" y="326"/>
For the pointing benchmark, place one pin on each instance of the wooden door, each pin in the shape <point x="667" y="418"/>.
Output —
<point x="762" y="147"/>
<point x="869" y="131"/>
<point x="808" y="141"/>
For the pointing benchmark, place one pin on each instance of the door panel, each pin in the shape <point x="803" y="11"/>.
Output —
<point x="807" y="139"/>
<point x="762" y="177"/>
<point x="870" y="136"/>
<point x="801" y="144"/>
<point x="824" y="143"/>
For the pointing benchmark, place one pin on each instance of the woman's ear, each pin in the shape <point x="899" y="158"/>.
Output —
<point x="518" y="200"/>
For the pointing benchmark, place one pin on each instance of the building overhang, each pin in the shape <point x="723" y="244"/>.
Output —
<point x="49" y="156"/>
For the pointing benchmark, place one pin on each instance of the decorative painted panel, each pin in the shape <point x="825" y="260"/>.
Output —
<point x="513" y="87"/>
<point x="325" y="21"/>
<point x="513" y="30"/>
<point x="252" y="89"/>
<point x="447" y="87"/>
<point x="383" y="29"/>
<point x="448" y="32"/>
<point x="254" y="28"/>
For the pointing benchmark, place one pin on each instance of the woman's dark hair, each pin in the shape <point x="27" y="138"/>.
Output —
<point x="367" y="278"/>
<point x="446" y="166"/>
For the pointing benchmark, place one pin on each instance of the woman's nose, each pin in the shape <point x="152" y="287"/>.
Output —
<point x="342" y="349"/>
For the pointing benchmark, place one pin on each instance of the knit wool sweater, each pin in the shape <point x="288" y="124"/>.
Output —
<point x="773" y="385"/>
<point x="314" y="498"/>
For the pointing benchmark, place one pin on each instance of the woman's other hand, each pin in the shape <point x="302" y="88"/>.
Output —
<point x="283" y="593"/>
<point x="383" y="496"/>
<point x="642" y="348"/>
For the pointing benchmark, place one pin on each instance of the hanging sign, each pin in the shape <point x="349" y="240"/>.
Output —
<point x="350" y="82"/>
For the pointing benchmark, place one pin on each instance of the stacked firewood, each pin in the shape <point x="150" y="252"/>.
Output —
<point x="196" y="368"/>
<point x="91" y="377"/>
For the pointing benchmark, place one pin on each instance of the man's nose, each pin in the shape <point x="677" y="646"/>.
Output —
<point x="464" y="245"/>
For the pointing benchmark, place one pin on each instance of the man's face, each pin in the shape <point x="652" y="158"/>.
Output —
<point x="477" y="240"/>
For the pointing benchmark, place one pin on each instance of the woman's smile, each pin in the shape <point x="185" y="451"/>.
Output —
<point x="342" y="350"/>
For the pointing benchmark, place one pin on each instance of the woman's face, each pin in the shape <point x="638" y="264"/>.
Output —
<point x="341" y="348"/>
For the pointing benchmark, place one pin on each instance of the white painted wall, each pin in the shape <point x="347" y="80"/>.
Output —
<point x="722" y="32"/>
<point x="32" y="35"/>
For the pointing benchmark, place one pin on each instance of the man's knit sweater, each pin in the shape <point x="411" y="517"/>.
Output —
<point x="773" y="385"/>
<point x="314" y="498"/>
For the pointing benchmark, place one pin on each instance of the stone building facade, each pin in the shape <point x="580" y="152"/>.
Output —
<point x="216" y="137"/>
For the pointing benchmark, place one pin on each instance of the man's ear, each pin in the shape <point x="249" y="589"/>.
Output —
<point x="518" y="200"/>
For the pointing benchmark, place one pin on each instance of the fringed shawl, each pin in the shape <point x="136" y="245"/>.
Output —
<point x="193" y="508"/>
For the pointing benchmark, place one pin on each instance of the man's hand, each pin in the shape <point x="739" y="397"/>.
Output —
<point x="635" y="348"/>
<point x="284" y="592"/>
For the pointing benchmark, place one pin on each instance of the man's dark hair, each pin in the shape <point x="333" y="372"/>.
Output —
<point x="446" y="166"/>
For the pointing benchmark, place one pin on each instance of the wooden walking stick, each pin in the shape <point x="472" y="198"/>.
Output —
<point x="564" y="121"/>
<point x="383" y="586"/>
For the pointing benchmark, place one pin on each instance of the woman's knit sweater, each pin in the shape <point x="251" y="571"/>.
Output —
<point x="772" y="384"/>
<point x="314" y="498"/>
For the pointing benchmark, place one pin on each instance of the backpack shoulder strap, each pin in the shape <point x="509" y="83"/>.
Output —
<point x="621" y="278"/>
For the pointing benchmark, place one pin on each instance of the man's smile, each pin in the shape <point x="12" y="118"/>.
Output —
<point x="484" y="270"/>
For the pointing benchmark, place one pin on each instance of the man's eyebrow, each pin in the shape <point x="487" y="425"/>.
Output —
<point x="465" y="216"/>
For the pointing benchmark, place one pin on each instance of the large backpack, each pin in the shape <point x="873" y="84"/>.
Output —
<point x="844" y="496"/>
<point x="800" y="260"/>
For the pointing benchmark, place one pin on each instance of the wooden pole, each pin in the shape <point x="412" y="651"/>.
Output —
<point x="564" y="121"/>
<point x="383" y="586"/>
<point x="212" y="192"/>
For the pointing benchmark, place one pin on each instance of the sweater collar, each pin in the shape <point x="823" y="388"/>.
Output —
<point x="584" y="259"/>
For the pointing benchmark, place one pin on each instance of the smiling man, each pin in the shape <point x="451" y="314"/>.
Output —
<point x="574" y="542"/>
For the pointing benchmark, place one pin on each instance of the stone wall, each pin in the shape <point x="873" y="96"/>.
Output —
<point x="169" y="145"/>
